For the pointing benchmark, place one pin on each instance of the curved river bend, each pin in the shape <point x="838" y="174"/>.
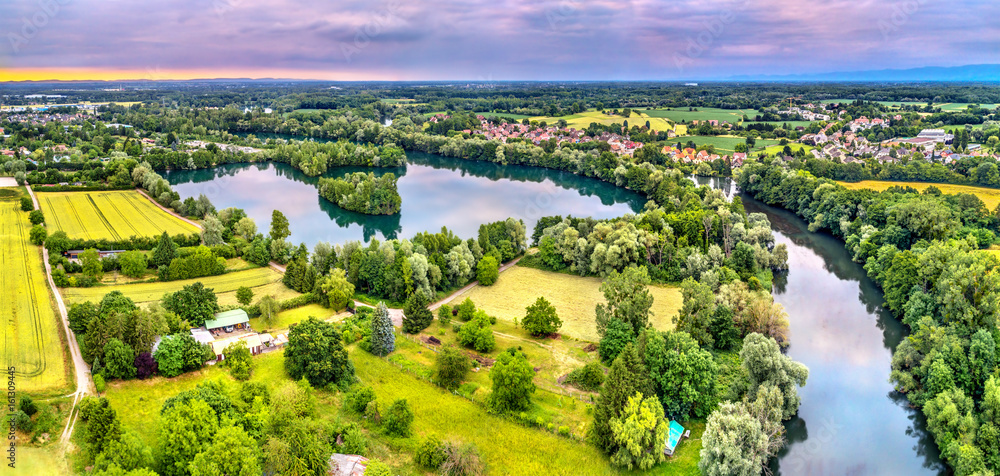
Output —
<point x="852" y="421"/>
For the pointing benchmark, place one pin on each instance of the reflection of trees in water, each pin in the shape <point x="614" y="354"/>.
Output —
<point x="387" y="225"/>
<point x="926" y="448"/>
<point x="795" y="433"/>
<point x="609" y="194"/>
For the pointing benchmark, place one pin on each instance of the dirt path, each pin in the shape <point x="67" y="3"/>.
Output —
<point x="81" y="369"/>
<point x="143" y="193"/>
<point x="277" y="267"/>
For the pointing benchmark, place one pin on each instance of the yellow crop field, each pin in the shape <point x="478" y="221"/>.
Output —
<point x="584" y="119"/>
<point x="989" y="196"/>
<point x="113" y="215"/>
<point x="31" y="343"/>
<point x="574" y="298"/>
<point x="263" y="281"/>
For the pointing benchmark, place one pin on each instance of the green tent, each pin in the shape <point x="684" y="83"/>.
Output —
<point x="673" y="437"/>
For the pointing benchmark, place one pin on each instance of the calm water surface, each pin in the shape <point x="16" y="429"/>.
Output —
<point x="851" y="421"/>
<point x="436" y="191"/>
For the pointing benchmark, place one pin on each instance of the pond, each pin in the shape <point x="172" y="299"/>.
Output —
<point x="851" y="420"/>
<point x="436" y="192"/>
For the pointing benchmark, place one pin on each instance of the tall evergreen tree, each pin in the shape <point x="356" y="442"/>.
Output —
<point x="165" y="251"/>
<point x="628" y="375"/>
<point x="383" y="338"/>
<point x="416" y="315"/>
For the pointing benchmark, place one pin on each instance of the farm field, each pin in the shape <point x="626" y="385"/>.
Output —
<point x="584" y="119"/>
<point x="792" y="124"/>
<point x="723" y="144"/>
<point x="32" y="341"/>
<point x="733" y="116"/>
<point x="574" y="298"/>
<point x="114" y="215"/>
<point x="989" y="196"/>
<point x="775" y="149"/>
<point x="961" y="106"/>
<point x="263" y="281"/>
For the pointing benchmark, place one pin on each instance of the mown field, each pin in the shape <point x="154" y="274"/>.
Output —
<point x="290" y="316"/>
<point x="506" y="446"/>
<point x="989" y="196"/>
<point x="574" y="298"/>
<point x="32" y="341"/>
<point x="723" y="144"/>
<point x="263" y="281"/>
<point x="777" y="149"/>
<point x="733" y="116"/>
<point x="113" y="215"/>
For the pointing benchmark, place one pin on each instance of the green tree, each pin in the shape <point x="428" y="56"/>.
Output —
<point x="478" y="333"/>
<point x="337" y="289"/>
<point x="314" y="352"/>
<point x="244" y="295"/>
<point x="279" y="226"/>
<point x="38" y="234"/>
<point x="378" y="468"/>
<point x="165" y="251"/>
<point x="133" y="263"/>
<point x="186" y="430"/>
<point x="627" y="299"/>
<point x="698" y="313"/>
<point x="628" y="375"/>
<point x="91" y="263"/>
<point x="540" y="318"/>
<point x="765" y="364"/>
<point x="487" y="271"/>
<point x="398" y="418"/>
<point x="26" y="204"/>
<point x="683" y="374"/>
<point x="383" y="338"/>
<point x="246" y="228"/>
<point x="231" y="452"/>
<point x="269" y="309"/>
<point x="119" y="360"/>
<point x="452" y="367"/>
<point x="103" y="425"/>
<point x="466" y="310"/>
<point x="640" y="433"/>
<point x="177" y="354"/>
<point x="194" y="303"/>
<point x="416" y="315"/>
<point x="513" y="382"/>
<point x="239" y="360"/>
<point x="741" y="438"/>
<point x="211" y="233"/>
<point x="127" y="454"/>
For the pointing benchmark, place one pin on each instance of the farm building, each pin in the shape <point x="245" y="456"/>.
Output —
<point x="202" y="336"/>
<point x="228" y="321"/>
<point x="674" y="435"/>
<point x="251" y="341"/>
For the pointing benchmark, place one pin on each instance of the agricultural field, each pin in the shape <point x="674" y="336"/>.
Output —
<point x="32" y="331"/>
<point x="791" y="124"/>
<point x="723" y="144"/>
<point x="114" y="215"/>
<point x="989" y="196"/>
<point x="682" y="114"/>
<point x="961" y="106"/>
<point x="777" y="149"/>
<point x="574" y="298"/>
<point x="584" y="119"/>
<point x="263" y="281"/>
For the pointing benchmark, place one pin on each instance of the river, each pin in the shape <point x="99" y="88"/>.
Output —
<point x="436" y="191"/>
<point x="851" y="421"/>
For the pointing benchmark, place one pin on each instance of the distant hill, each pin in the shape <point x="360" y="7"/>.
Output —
<point x="974" y="73"/>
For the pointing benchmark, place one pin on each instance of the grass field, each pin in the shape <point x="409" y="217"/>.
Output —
<point x="733" y="116"/>
<point x="39" y="461"/>
<point x="776" y="149"/>
<point x="989" y="196"/>
<point x="263" y="281"/>
<point x="584" y="119"/>
<point x="723" y="144"/>
<point x="32" y="334"/>
<point x="291" y="316"/>
<point x="115" y="215"/>
<point x="574" y="298"/>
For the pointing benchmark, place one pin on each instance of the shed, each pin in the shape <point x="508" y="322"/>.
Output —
<point x="237" y="318"/>
<point x="202" y="336"/>
<point x="674" y="433"/>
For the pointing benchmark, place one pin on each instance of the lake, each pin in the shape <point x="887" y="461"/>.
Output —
<point x="436" y="191"/>
<point x="851" y="420"/>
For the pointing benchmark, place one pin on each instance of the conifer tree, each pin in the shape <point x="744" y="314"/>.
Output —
<point x="383" y="339"/>
<point x="628" y="375"/>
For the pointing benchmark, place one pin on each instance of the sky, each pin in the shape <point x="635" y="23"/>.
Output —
<point x="487" y="40"/>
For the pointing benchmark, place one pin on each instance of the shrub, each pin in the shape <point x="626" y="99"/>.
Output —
<point x="589" y="377"/>
<point x="452" y="367"/>
<point x="354" y="440"/>
<point x="431" y="453"/>
<point x="377" y="468"/>
<point x="462" y="461"/>
<point x="466" y="310"/>
<point x="38" y="234"/>
<point x="145" y="366"/>
<point x="358" y="398"/>
<point x="540" y="318"/>
<point x="27" y="405"/>
<point x="444" y="314"/>
<point x="372" y="412"/>
<point x="26" y="204"/>
<point x="398" y="418"/>
<point x="23" y="422"/>
<point x="477" y="333"/>
<point x="487" y="271"/>
<point x="244" y="295"/>
<point x="239" y="360"/>
<point x="36" y="217"/>
<point x="513" y="383"/>
<point x="99" y="384"/>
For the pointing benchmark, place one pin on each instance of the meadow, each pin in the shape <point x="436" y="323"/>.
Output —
<point x="723" y="144"/>
<point x="989" y="196"/>
<point x="779" y="149"/>
<point x="682" y="114"/>
<point x="290" y="316"/>
<point x="263" y="281"/>
<point x="574" y="298"/>
<point x="114" y="215"/>
<point x="33" y="334"/>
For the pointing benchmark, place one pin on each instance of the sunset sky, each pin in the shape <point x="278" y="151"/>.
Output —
<point x="487" y="39"/>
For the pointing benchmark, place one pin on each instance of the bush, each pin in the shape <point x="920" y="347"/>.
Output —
<point x="99" y="384"/>
<point x="478" y="333"/>
<point x="589" y="377"/>
<point x="23" y="422"/>
<point x="354" y="441"/>
<point x="398" y="418"/>
<point x="239" y="360"/>
<point x="244" y="295"/>
<point x="377" y="468"/>
<point x="431" y="454"/>
<point x="487" y="271"/>
<point x="444" y="314"/>
<point x="145" y="366"/>
<point x="38" y="234"/>
<point x="27" y="405"/>
<point x="540" y="318"/>
<point x="462" y="461"/>
<point x="358" y="397"/>
<point x="26" y="204"/>
<point x="466" y="310"/>
<point x="452" y="367"/>
<point x="36" y="217"/>
<point x="373" y="413"/>
<point x="513" y="382"/>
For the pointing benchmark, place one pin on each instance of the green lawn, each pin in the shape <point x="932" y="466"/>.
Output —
<point x="776" y="149"/>
<point x="290" y="316"/>
<point x="682" y="114"/>
<point x="722" y="144"/>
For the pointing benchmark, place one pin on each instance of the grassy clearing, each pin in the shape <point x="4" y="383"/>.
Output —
<point x="291" y="316"/>
<point x="114" y="215"/>
<point x="989" y="196"/>
<point x="39" y="461"/>
<point x="32" y="341"/>
<point x="723" y="144"/>
<point x="779" y="149"/>
<point x="574" y="298"/>
<point x="263" y="281"/>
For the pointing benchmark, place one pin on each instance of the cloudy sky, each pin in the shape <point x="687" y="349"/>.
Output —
<point x="487" y="39"/>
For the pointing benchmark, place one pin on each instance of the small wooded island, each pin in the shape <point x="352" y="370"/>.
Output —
<point x="363" y="193"/>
